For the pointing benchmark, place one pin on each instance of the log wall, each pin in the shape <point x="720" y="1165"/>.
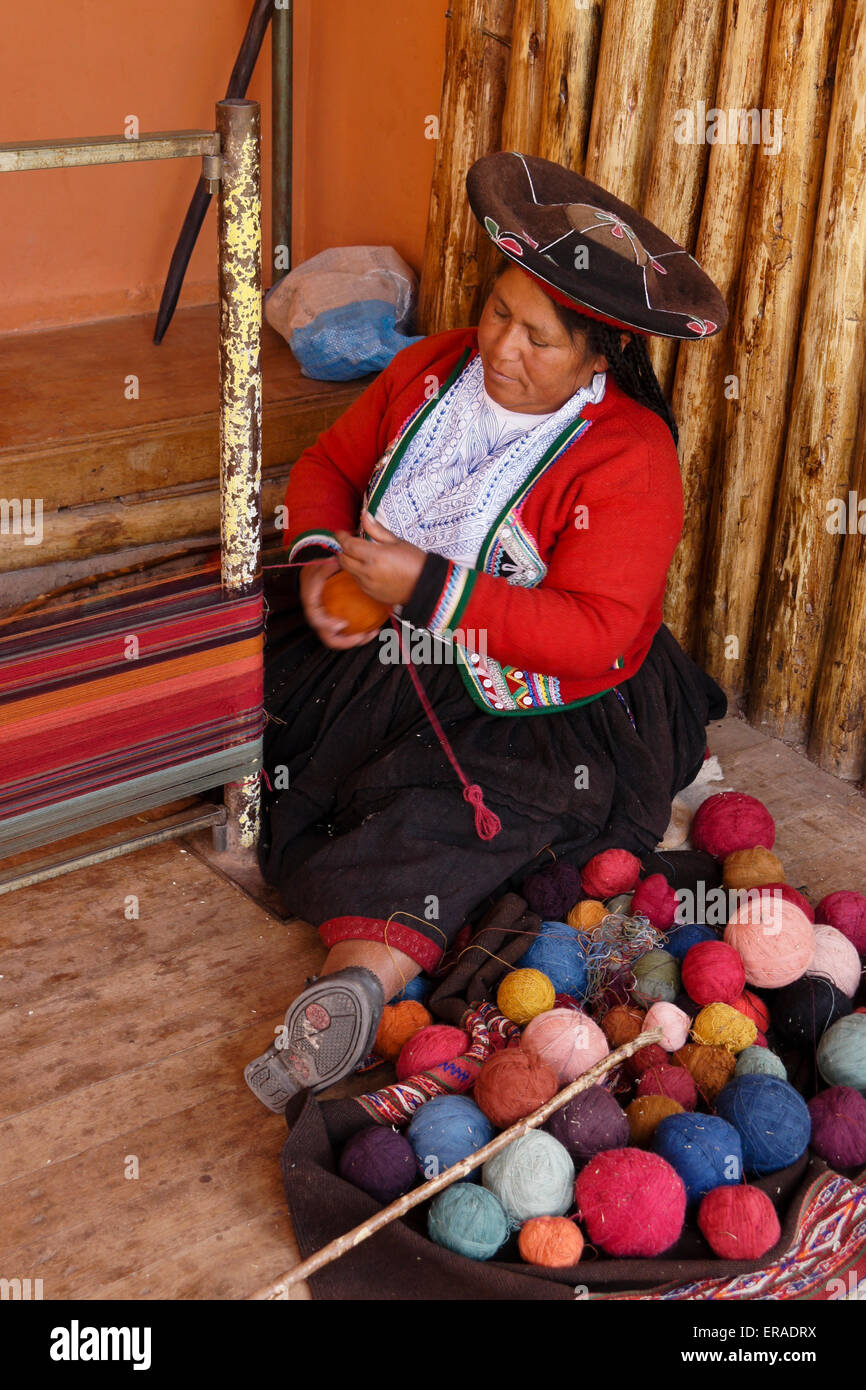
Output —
<point x="767" y="589"/>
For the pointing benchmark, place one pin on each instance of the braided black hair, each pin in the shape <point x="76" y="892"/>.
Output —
<point x="630" y="366"/>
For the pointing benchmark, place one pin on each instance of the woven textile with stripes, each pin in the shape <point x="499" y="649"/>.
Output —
<point x="113" y="703"/>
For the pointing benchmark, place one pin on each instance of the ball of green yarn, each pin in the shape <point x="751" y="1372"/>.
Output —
<point x="657" y="977"/>
<point x="760" y="1061"/>
<point x="469" y="1220"/>
<point x="534" y="1176"/>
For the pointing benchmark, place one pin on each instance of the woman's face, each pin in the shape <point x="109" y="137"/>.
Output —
<point x="521" y="338"/>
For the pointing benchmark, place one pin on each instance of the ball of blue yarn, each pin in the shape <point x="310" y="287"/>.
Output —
<point x="682" y="939"/>
<point x="760" y="1061"/>
<point x="468" y="1220"/>
<point x="418" y="989"/>
<point x="558" y="954"/>
<point x="705" y="1151"/>
<point x="771" y="1118"/>
<point x="446" y="1129"/>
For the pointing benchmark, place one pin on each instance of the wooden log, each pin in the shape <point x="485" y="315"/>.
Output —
<point x="799" y="606"/>
<point x="458" y="254"/>
<point x="678" y="168"/>
<point x="628" y="84"/>
<point x="279" y="1289"/>
<point x="779" y="246"/>
<point x="522" y="119"/>
<point x="699" y="382"/>
<point x="570" y="66"/>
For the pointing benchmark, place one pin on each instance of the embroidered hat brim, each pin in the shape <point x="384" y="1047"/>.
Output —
<point x="591" y="251"/>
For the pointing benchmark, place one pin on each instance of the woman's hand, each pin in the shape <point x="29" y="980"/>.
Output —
<point x="329" y="629"/>
<point x="386" y="567"/>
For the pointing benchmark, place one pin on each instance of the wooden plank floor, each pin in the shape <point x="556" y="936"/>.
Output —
<point x="124" y="1038"/>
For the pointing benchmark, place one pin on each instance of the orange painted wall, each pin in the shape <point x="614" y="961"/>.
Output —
<point x="84" y="244"/>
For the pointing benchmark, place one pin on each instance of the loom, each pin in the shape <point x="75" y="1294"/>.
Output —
<point x="112" y="705"/>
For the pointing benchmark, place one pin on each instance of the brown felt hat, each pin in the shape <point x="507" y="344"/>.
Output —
<point x="590" y="251"/>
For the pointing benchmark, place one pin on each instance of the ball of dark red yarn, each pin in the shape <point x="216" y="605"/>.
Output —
<point x="792" y="896"/>
<point x="729" y="821"/>
<point x="846" y="911"/>
<point x="553" y="891"/>
<point x="675" y="1082"/>
<point x="513" y="1083"/>
<point x="588" y="1123"/>
<point x="804" y="1010"/>
<point x="839" y="1126"/>
<point x="713" y="973"/>
<point x="650" y="1056"/>
<point x="656" y="899"/>
<point x="379" y="1161"/>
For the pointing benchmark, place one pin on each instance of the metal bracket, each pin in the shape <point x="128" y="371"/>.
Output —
<point x="212" y="171"/>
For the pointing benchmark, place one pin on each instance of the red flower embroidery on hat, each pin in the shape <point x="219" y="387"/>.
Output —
<point x="701" y="326"/>
<point x="509" y="244"/>
<point x="655" y="265"/>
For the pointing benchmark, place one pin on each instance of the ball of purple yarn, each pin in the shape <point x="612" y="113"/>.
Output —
<point x="553" y="890"/>
<point x="839" y="1126"/>
<point x="379" y="1161"/>
<point x="588" y="1123"/>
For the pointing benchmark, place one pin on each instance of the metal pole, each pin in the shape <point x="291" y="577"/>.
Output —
<point x="239" y="231"/>
<point x="281" y="140"/>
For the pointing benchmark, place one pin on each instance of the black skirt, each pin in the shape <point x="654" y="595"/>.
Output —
<point x="366" y="816"/>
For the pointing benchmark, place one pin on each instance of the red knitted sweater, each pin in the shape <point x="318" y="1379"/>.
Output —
<point x="592" y="531"/>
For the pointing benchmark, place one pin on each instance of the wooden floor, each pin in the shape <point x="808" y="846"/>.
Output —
<point x="123" y="1039"/>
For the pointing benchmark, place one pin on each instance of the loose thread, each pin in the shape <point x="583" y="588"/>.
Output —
<point x="402" y="913"/>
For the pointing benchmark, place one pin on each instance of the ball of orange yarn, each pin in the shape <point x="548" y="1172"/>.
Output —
<point x="511" y="1084"/>
<point x="587" y="915"/>
<point x="343" y="597"/>
<point x="752" y="868"/>
<point x="553" y="1242"/>
<point x="398" y="1024"/>
<point x="645" y="1113"/>
<point x="711" y="1068"/>
<point x="622" y="1023"/>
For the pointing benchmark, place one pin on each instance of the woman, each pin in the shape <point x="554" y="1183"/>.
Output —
<point x="517" y="491"/>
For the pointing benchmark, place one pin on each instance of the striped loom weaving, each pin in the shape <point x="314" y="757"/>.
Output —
<point x="116" y="703"/>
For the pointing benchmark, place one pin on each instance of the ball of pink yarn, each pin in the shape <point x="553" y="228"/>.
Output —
<point x="836" y="959"/>
<point x="430" y="1047"/>
<point x="786" y="891"/>
<point x="846" y="911"/>
<point x="631" y="1201"/>
<point x="713" y="973"/>
<point x="569" y="1043"/>
<point x="673" y="1022"/>
<point x="774" y="940"/>
<point x="657" y="900"/>
<point x="611" y="872"/>
<point x="729" y="821"/>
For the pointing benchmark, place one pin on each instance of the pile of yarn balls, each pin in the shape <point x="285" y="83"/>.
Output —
<point x="685" y="1130"/>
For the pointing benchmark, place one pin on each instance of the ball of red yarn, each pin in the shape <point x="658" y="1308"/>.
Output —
<point x="430" y="1047"/>
<point x="611" y="872"/>
<point x="552" y="891"/>
<point x="739" y="1223"/>
<point x="553" y="1242"/>
<point x="399" y="1023"/>
<point x="792" y="896"/>
<point x="650" y="1056"/>
<point x="671" y="1081"/>
<point x="754" y="1008"/>
<point x="713" y="973"/>
<point x="511" y="1084"/>
<point x="657" y="900"/>
<point x="846" y="911"/>
<point x="632" y="1202"/>
<point x="729" y="821"/>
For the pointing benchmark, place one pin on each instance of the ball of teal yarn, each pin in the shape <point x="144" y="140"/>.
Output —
<point x="446" y="1129"/>
<point x="657" y="977"/>
<point x="842" y="1053"/>
<point x="534" y="1176"/>
<point x="558" y="954"/>
<point x="705" y="1150"/>
<point x="760" y="1061"/>
<point x="771" y="1118"/>
<point x="468" y="1220"/>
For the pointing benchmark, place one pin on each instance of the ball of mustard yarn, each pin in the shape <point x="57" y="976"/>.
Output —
<point x="523" y="994"/>
<point x="645" y="1113"/>
<point x="587" y="915"/>
<point x="711" y="1067"/>
<point x="752" y="868"/>
<point x="721" y="1025"/>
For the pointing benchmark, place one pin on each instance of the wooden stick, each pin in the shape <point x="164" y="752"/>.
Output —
<point x="336" y="1248"/>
